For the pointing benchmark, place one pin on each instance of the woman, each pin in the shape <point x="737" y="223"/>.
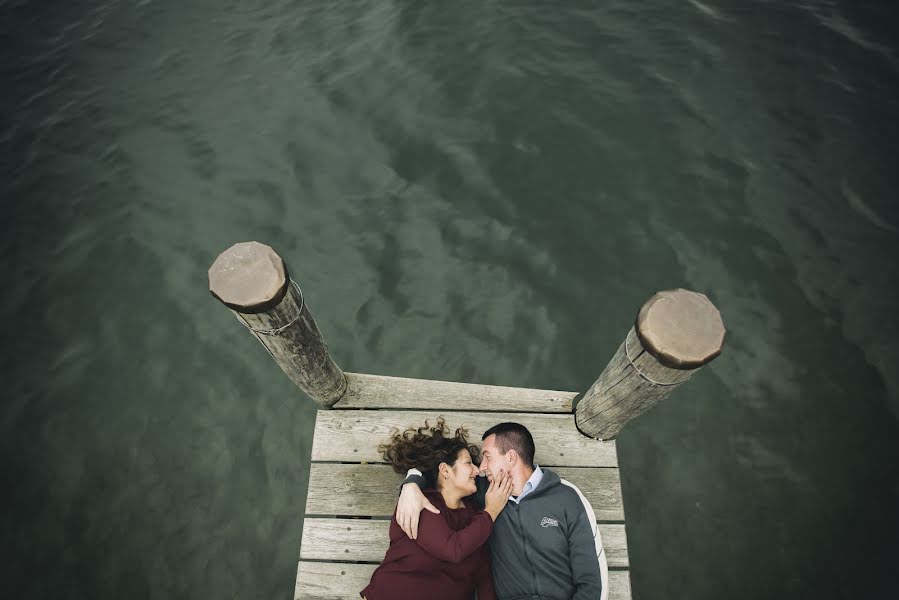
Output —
<point x="449" y="559"/>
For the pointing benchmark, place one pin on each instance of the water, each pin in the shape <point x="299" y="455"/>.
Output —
<point x="475" y="191"/>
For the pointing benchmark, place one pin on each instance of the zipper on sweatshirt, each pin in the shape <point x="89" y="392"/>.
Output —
<point x="531" y="496"/>
<point x="524" y="546"/>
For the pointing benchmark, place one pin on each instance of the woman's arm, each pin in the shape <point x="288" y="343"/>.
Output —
<point x="437" y="539"/>
<point x="485" y="587"/>
<point x="410" y="503"/>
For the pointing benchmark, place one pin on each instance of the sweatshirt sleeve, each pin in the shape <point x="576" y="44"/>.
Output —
<point x="582" y="553"/>
<point x="479" y="498"/>
<point x="418" y="480"/>
<point x="437" y="539"/>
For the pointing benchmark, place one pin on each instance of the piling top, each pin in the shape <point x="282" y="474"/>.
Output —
<point x="682" y="329"/>
<point x="248" y="277"/>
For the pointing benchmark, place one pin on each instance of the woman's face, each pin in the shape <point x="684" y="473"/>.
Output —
<point x="462" y="474"/>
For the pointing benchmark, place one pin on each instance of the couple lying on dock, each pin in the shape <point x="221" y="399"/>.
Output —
<point x="517" y="532"/>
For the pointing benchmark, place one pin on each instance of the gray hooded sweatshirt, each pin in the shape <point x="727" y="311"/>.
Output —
<point x="542" y="548"/>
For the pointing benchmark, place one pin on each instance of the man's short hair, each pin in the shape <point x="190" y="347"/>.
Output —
<point x="513" y="436"/>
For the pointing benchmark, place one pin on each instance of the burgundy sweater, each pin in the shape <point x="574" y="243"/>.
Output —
<point x="449" y="560"/>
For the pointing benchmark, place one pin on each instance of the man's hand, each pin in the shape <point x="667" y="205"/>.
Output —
<point x="408" y="509"/>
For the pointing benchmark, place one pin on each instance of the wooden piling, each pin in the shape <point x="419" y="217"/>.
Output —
<point x="253" y="282"/>
<point x="675" y="334"/>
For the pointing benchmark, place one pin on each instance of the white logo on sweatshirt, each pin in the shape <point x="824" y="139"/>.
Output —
<point x="548" y="522"/>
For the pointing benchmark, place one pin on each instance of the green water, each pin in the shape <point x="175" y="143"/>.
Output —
<point x="470" y="191"/>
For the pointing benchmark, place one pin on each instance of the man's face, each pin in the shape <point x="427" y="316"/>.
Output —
<point x="492" y="461"/>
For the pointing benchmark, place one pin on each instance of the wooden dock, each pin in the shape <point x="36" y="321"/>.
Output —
<point x="352" y="492"/>
<point x="348" y="478"/>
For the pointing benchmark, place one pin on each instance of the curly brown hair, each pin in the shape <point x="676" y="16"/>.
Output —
<point x="424" y="448"/>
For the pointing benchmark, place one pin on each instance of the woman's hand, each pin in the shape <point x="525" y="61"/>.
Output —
<point x="408" y="509"/>
<point x="498" y="495"/>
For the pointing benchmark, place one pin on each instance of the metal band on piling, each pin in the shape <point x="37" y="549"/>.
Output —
<point x="278" y="330"/>
<point x="641" y="373"/>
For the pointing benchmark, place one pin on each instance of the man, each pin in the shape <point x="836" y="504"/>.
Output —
<point x="542" y="546"/>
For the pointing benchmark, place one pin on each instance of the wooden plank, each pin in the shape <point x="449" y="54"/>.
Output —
<point x="380" y="391"/>
<point x="354" y="435"/>
<point x="344" y="581"/>
<point x="372" y="490"/>
<point x="367" y="541"/>
<point x="614" y="542"/>
<point x="619" y="585"/>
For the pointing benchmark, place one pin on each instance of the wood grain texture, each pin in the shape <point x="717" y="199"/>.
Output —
<point x="621" y="393"/>
<point x="300" y="350"/>
<point x="380" y="391"/>
<point x="372" y="490"/>
<point x="354" y="435"/>
<point x="344" y="581"/>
